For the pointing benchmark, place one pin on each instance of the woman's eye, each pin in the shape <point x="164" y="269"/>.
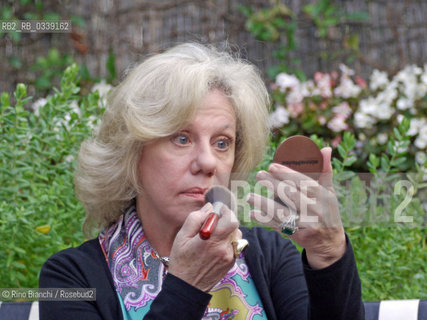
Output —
<point x="223" y="144"/>
<point x="181" y="139"/>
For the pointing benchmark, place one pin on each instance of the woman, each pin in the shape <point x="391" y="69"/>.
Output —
<point x="181" y="122"/>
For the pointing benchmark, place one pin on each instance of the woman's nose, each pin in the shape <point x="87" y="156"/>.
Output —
<point x="205" y="160"/>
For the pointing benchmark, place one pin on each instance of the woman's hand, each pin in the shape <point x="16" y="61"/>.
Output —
<point x="203" y="263"/>
<point x="320" y="229"/>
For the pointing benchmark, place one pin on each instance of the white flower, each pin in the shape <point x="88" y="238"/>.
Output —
<point x="342" y="109"/>
<point x="382" y="138"/>
<point x="103" y="89"/>
<point x="75" y="107"/>
<point x="295" y="96"/>
<point x="284" y="81"/>
<point x="408" y="83"/>
<point x="346" y="70"/>
<point x="376" y="108"/>
<point x="421" y="90"/>
<point x="324" y="86"/>
<point x="37" y="104"/>
<point x="384" y="111"/>
<point x="403" y="104"/>
<point x="362" y="136"/>
<point x="307" y="88"/>
<point x="400" y="148"/>
<point x="424" y="169"/>
<point x="362" y="120"/>
<point x="92" y="122"/>
<point x="347" y="88"/>
<point x="420" y="157"/>
<point x="416" y="125"/>
<point x="378" y="80"/>
<point x="424" y="75"/>
<point x="28" y="137"/>
<point x="279" y="117"/>
<point x="421" y="141"/>
<point x="368" y="106"/>
<point x="69" y="158"/>
<point x="337" y="124"/>
<point x="389" y="94"/>
<point x="404" y="75"/>
<point x="416" y="70"/>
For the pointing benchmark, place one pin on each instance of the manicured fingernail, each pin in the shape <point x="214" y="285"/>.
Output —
<point x="262" y="174"/>
<point x="273" y="167"/>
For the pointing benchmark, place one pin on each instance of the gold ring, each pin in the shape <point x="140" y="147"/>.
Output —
<point x="239" y="246"/>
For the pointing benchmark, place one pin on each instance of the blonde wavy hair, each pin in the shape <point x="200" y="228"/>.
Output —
<point x="156" y="99"/>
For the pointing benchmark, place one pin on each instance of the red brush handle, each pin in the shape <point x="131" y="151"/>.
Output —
<point x="209" y="226"/>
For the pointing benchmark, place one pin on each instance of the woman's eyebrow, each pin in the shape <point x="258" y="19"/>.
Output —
<point x="225" y="126"/>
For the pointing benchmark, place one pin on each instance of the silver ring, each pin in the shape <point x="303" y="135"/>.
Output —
<point x="289" y="226"/>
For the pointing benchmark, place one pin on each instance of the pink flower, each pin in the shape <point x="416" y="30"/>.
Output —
<point x="336" y="141"/>
<point x="318" y="76"/>
<point x="295" y="109"/>
<point x="334" y="75"/>
<point x="337" y="124"/>
<point x="323" y="82"/>
<point x="361" y="82"/>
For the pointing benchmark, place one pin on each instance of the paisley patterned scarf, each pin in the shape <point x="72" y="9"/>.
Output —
<point x="138" y="275"/>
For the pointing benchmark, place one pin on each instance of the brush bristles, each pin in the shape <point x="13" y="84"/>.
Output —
<point x="221" y="194"/>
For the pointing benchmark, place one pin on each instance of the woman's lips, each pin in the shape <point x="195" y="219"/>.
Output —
<point x="196" y="193"/>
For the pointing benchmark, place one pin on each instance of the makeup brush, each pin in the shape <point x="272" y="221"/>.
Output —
<point x="218" y="196"/>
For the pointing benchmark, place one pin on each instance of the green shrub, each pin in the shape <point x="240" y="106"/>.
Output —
<point x="39" y="214"/>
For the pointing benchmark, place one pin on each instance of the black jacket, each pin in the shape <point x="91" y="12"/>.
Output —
<point x="288" y="287"/>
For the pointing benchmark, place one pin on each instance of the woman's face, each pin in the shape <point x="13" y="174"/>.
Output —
<point x="176" y="171"/>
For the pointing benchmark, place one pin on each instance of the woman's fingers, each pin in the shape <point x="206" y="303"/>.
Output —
<point x="315" y="204"/>
<point x="284" y="173"/>
<point x="285" y="182"/>
<point x="195" y="220"/>
<point x="261" y="217"/>
<point x="227" y="223"/>
<point x="296" y="197"/>
<point x="271" y="211"/>
<point x="325" y="178"/>
<point x="311" y="201"/>
<point x="203" y="263"/>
